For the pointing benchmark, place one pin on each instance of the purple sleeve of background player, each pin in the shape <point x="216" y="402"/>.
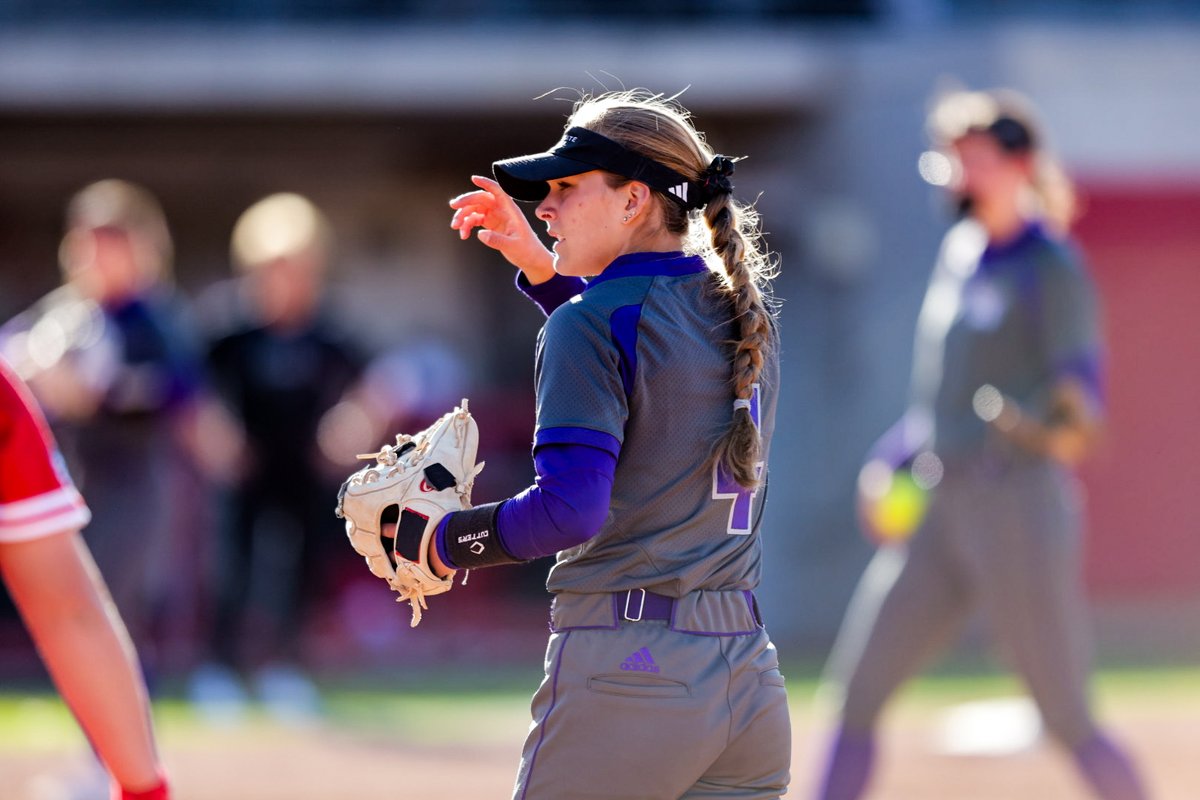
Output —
<point x="566" y="505"/>
<point x="1070" y="325"/>
<point x="552" y="293"/>
<point x="901" y="442"/>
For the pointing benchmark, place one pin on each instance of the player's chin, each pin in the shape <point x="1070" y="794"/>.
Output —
<point x="572" y="264"/>
<point x="564" y="264"/>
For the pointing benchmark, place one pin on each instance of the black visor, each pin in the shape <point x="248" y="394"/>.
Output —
<point x="1012" y="134"/>
<point x="582" y="150"/>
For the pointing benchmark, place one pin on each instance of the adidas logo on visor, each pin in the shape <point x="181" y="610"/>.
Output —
<point x="680" y="191"/>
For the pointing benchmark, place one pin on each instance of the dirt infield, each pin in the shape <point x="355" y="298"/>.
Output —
<point x="342" y="759"/>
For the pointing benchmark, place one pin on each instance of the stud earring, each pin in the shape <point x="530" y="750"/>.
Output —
<point x="626" y="218"/>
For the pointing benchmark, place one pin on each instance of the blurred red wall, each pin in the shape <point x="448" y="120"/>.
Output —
<point x="1143" y="245"/>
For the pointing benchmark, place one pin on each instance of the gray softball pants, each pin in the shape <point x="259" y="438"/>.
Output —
<point x="1001" y="536"/>
<point x="656" y="709"/>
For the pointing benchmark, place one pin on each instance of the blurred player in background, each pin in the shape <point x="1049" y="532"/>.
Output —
<point x="280" y="373"/>
<point x="108" y="357"/>
<point x="63" y="600"/>
<point x="1006" y="398"/>
<point x="657" y="383"/>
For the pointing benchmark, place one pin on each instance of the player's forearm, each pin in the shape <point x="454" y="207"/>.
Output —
<point x="93" y="666"/>
<point x="565" y="507"/>
<point x="1067" y="436"/>
<point x="545" y="519"/>
<point x="538" y="266"/>
<point x="87" y="652"/>
<point x="1066" y="444"/>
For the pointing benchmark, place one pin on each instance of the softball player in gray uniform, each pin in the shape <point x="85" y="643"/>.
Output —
<point x="656" y="391"/>
<point x="1006" y="379"/>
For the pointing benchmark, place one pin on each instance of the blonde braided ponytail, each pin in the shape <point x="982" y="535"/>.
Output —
<point x="724" y="232"/>
<point x="746" y="273"/>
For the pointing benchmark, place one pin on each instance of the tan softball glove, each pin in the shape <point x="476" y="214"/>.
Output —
<point x="413" y="484"/>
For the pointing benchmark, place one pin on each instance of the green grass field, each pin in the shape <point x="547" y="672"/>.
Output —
<point x="436" y="704"/>
<point x="430" y="719"/>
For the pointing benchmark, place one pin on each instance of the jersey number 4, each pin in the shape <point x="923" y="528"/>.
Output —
<point x="726" y="488"/>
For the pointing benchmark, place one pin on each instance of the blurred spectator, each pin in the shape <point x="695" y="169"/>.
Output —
<point x="1006" y="399"/>
<point x="109" y="358"/>
<point x="414" y="383"/>
<point x="287" y="377"/>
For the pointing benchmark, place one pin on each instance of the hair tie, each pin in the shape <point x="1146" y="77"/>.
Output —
<point x="741" y="403"/>
<point x="714" y="180"/>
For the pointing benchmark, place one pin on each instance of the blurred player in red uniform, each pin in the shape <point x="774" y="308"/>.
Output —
<point x="62" y="598"/>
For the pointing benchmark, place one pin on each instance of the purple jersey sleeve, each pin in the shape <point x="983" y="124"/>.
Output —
<point x="901" y="442"/>
<point x="550" y="294"/>
<point x="566" y="505"/>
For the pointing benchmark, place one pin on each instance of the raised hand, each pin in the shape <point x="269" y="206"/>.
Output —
<point x="502" y="227"/>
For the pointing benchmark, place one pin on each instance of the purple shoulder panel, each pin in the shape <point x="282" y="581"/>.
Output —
<point x="624" y="324"/>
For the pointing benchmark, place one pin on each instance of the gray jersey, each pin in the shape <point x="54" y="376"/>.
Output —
<point x="1003" y="529"/>
<point x="640" y="359"/>
<point x="1017" y="317"/>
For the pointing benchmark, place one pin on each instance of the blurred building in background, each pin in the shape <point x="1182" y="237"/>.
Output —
<point x="379" y="112"/>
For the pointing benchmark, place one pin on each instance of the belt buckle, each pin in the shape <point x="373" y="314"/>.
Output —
<point x="641" y="605"/>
